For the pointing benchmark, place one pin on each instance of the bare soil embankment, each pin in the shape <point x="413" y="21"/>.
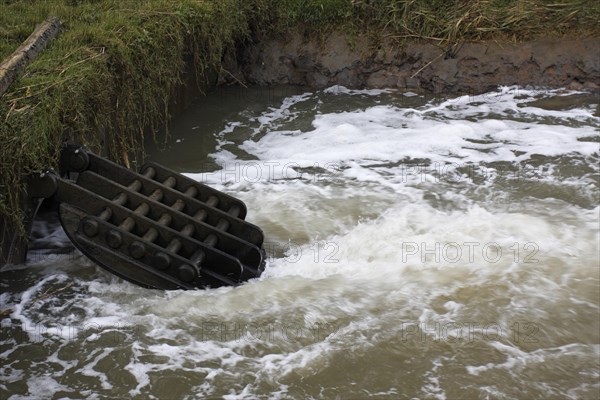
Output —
<point x="425" y="65"/>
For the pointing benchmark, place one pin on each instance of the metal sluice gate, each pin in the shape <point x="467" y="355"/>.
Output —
<point x="157" y="228"/>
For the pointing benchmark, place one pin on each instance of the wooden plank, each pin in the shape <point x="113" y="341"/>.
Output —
<point x="27" y="52"/>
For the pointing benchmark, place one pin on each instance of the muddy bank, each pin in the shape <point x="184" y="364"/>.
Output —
<point x="468" y="67"/>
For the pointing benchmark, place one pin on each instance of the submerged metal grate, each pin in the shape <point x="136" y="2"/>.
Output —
<point x="156" y="228"/>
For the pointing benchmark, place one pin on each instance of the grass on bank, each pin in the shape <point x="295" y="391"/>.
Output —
<point x="109" y="77"/>
<point x="446" y="19"/>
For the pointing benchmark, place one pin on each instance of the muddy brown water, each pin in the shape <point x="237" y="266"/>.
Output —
<point x="419" y="247"/>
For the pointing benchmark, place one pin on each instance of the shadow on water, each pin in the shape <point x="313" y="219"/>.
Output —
<point x="193" y="134"/>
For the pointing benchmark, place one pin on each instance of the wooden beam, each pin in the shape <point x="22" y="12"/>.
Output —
<point x="27" y="52"/>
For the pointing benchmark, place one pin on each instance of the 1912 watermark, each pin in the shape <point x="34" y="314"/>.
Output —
<point x="320" y="251"/>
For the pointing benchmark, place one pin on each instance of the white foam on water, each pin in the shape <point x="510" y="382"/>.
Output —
<point x="388" y="133"/>
<point x="89" y="370"/>
<point x="339" y="89"/>
<point x="41" y="386"/>
<point x="369" y="251"/>
<point x="372" y="243"/>
<point x="19" y="310"/>
<point x="266" y="121"/>
<point x="517" y="359"/>
<point x="433" y="389"/>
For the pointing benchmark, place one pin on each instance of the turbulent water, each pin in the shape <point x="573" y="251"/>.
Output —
<point x="419" y="247"/>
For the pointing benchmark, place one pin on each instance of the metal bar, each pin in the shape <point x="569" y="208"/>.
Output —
<point x="198" y="257"/>
<point x="137" y="248"/>
<point x="90" y="226"/>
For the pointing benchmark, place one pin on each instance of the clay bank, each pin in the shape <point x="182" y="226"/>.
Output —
<point x="464" y="67"/>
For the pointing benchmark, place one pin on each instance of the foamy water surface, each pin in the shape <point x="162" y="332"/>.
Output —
<point x="418" y="247"/>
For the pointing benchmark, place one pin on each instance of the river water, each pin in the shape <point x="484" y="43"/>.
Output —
<point x="418" y="247"/>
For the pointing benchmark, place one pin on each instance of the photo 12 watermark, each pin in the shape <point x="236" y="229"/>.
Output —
<point x="331" y="252"/>
<point x="211" y="328"/>
<point x="468" y="252"/>
<point x="461" y="332"/>
<point x="219" y="329"/>
<point x="406" y="172"/>
<point x="267" y="171"/>
<point x="86" y="331"/>
<point x="320" y="251"/>
<point x="267" y="332"/>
